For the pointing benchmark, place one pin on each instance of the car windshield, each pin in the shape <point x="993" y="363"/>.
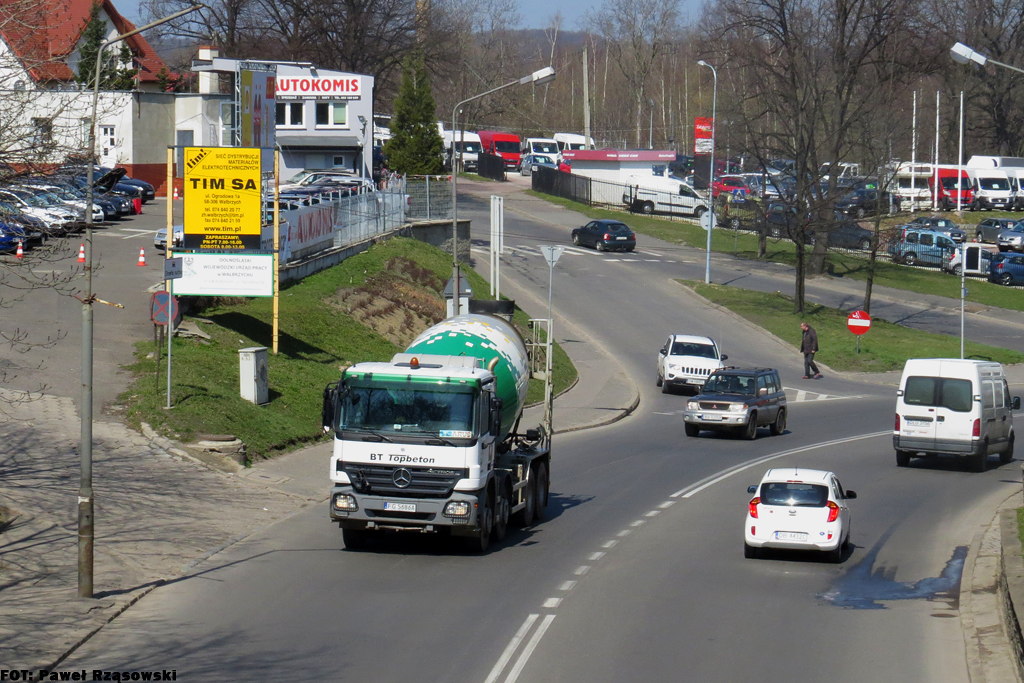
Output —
<point x="541" y="159"/>
<point x="994" y="183"/>
<point x="408" y="408"/>
<point x="694" y="349"/>
<point x="545" y="147"/>
<point x="794" y="494"/>
<point x="506" y="146"/>
<point x="954" y="394"/>
<point x="730" y="384"/>
<point x="28" y="198"/>
<point x="298" y="177"/>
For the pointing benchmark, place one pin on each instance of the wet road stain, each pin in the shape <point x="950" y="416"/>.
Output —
<point x="868" y="587"/>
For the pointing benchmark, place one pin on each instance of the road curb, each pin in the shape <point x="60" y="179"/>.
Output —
<point x="626" y="412"/>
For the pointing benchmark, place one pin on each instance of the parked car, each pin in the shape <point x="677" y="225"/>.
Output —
<point x="730" y="184"/>
<point x="957" y="407"/>
<point x="862" y="201"/>
<point x="160" y="238"/>
<point x="530" y="162"/>
<point x="1011" y="239"/>
<point x="798" y="509"/>
<point x="921" y="247"/>
<point x="1006" y="269"/>
<point x="60" y="196"/>
<point x="739" y="400"/>
<point x="33" y="229"/>
<point x="11" y="235"/>
<point x="686" y="361"/>
<point x="58" y="220"/>
<point x="605" y="235"/>
<point x="850" y="235"/>
<point x="122" y="204"/>
<point x="978" y="260"/>
<point x="942" y="225"/>
<point x="988" y="229"/>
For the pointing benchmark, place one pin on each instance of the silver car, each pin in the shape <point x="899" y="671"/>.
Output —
<point x="160" y="238"/>
<point x="1012" y="239"/>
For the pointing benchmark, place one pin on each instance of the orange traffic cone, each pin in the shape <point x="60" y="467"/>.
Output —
<point x="175" y="192"/>
<point x="81" y="254"/>
<point x="21" y="252"/>
<point x="142" y="256"/>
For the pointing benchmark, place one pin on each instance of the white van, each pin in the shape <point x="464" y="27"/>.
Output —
<point x="991" y="189"/>
<point x="662" y="194"/>
<point x="954" y="407"/>
<point x="572" y="141"/>
<point x="546" y="146"/>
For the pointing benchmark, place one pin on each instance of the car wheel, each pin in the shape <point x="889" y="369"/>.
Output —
<point x="861" y="212"/>
<point x="779" y="426"/>
<point x="576" y="239"/>
<point x="750" y="552"/>
<point x="775" y="232"/>
<point x="481" y="540"/>
<point x="699" y="213"/>
<point x="910" y="258"/>
<point x="665" y="389"/>
<point x="865" y="245"/>
<point x="958" y="270"/>
<point x="1007" y="455"/>
<point x="691" y="429"/>
<point x="835" y="556"/>
<point x="1006" y="279"/>
<point x="978" y="237"/>
<point x="648" y="208"/>
<point x="902" y="458"/>
<point x="355" y="539"/>
<point x="599" y="246"/>
<point x="734" y="223"/>
<point x="540" y="508"/>
<point x="659" y="380"/>
<point x="750" y="429"/>
<point x="980" y="461"/>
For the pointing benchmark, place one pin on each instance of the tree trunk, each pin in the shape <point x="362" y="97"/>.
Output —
<point x="798" y="291"/>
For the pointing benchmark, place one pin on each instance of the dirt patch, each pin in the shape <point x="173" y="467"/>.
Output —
<point x="398" y="303"/>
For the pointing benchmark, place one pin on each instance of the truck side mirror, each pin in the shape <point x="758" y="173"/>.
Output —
<point x="1016" y="403"/>
<point x="496" y="406"/>
<point x="329" y="406"/>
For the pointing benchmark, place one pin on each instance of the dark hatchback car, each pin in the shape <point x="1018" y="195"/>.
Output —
<point x="605" y="235"/>
<point x="861" y="202"/>
<point x="849" y="235"/>
<point x="739" y="400"/>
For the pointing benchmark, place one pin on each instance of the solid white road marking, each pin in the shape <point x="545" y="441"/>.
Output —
<point x="511" y="648"/>
<point x="552" y="602"/>
<point x="728" y="472"/>
<point x="594" y="557"/>
<point x="530" y="647"/>
<point x="582" y="569"/>
<point x="567" y="585"/>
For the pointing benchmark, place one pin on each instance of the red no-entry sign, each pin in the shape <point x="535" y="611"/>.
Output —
<point x="859" y="322"/>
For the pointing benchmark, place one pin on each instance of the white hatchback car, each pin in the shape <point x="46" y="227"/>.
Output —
<point x="798" y="509"/>
<point x="687" y="360"/>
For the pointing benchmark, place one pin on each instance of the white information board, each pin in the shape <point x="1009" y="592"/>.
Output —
<point x="226" y="275"/>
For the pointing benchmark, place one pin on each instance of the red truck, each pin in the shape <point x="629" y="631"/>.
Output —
<point x="504" y="145"/>
<point x="948" y="190"/>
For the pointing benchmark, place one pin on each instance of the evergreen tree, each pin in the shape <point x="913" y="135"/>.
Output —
<point x="415" y="146"/>
<point x="116" y="73"/>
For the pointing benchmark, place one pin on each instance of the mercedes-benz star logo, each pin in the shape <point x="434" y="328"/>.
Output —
<point x="402" y="477"/>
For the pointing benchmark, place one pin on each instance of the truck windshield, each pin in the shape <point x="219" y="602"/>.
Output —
<point x="471" y="147"/>
<point x="950" y="184"/>
<point x="545" y="148"/>
<point x="506" y="146"/>
<point x="409" y="409"/>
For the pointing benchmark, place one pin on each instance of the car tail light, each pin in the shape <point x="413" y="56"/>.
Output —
<point x="952" y="255"/>
<point x="999" y="266"/>
<point x="752" y="508"/>
<point x="606" y="236"/>
<point x="976" y="431"/>
<point x="897" y="427"/>
<point x="833" y="512"/>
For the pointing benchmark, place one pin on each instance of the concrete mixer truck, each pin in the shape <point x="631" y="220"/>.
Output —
<point x="431" y="442"/>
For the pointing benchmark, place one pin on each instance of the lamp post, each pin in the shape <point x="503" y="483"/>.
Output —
<point x="85" y="493"/>
<point x="539" y="77"/>
<point x="711" y="180"/>
<point x="650" y="135"/>
<point x="965" y="55"/>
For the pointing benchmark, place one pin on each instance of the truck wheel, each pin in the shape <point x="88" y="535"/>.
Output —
<point x="355" y="539"/>
<point x="691" y="429"/>
<point x="525" y="516"/>
<point x="779" y="426"/>
<point x="540" y="507"/>
<point x="902" y="458"/>
<point x="750" y="430"/>
<point x="1007" y="455"/>
<point x="501" y="516"/>
<point x="479" y="542"/>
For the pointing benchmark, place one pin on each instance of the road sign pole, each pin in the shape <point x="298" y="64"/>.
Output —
<point x="963" y="290"/>
<point x="170" y="335"/>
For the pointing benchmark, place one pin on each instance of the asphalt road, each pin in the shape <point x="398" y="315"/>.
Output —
<point x="637" y="573"/>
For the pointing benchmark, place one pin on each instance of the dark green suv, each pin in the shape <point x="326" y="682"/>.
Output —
<point x="738" y="400"/>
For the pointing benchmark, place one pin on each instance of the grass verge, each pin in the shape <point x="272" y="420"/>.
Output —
<point x="854" y="267"/>
<point x="885" y="347"/>
<point x="366" y="308"/>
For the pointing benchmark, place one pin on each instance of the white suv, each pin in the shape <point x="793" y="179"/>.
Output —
<point x="686" y="360"/>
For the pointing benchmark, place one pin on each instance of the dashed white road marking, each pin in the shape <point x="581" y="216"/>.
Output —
<point x="667" y="504"/>
<point x="638" y="522"/>
<point x="623" y="533"/>
<point x="582" y="569"/>
<point x="649" y="253"/>
<point x="594" y="557"/>
<point x="567" y="586"/>
<point x="611" y="260"/>
<point x="652" y="513"/>
<point x="609" y="544"/>
<point x="551" y="603"/>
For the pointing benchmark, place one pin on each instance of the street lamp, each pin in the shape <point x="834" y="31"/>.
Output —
<point x="85" y="499"/>
<point x="650" y="137"/>
<point x="538" y="77"/>
<point x="965" y="55"/>
<point x="711" y="180"/>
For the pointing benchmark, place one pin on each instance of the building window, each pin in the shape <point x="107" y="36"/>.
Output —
<point x="289" y="114"/>
<point x="84" y="125"/>
<point x="331" y="114"/>
<point x="42" y="132"/>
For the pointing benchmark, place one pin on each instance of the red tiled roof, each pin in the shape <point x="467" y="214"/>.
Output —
<point x="44" y="49"/>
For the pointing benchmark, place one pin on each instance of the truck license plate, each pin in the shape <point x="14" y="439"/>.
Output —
<point x="400" y="507"/>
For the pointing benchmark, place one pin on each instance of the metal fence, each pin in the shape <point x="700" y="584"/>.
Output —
<point x="561" y="184"/>
<point x="491" y="166"/>
<point x="430" y="197"/>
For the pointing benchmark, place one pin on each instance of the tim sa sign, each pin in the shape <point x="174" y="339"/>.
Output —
<point x="341" y="87"/>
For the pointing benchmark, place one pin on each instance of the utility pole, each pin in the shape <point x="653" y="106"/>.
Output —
<point x="586" y="98"/>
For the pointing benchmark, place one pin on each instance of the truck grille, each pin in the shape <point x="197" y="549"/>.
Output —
<point x="426" y="482"/>
<point x="714" y="405"/>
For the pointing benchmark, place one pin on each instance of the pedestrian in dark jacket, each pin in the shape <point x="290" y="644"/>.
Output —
<point x="808" y="347"/>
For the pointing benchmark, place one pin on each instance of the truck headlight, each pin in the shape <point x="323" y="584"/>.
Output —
<point x="692" y="405"/>
<point x="344" y="501"/>
<point x="456" y="508"/>
<point x="737" y="407"/>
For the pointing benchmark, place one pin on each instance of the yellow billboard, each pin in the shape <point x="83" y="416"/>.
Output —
<point x="222" y="198"/>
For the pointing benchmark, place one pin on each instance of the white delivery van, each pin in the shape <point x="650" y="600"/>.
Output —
<point x="954" y="407"/>
<point x="572" y="141"/>
<point x="662" y="194"/>
<point x="546" y="146"/>
<point x="991" y="189"/>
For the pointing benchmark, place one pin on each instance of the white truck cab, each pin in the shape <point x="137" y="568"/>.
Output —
<point x="687" y="360"/>
<point x="958" y="407"/>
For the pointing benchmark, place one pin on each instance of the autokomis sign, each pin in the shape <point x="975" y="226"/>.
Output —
<point x="319" y="88"/>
